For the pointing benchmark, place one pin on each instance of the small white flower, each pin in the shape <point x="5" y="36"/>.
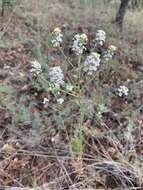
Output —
<point x="35" y="94"/>
<point x="52" y="139"/>
<point x="56" y="76"/>
<point x="79" y="42"/>
<point x="108" y="56"/>
<point x="91" y="63"/>
<point x="112" y="48"/>
<point x="60" y="100"/>
<point x="45" y="101"/>
<point x="36" y="67"/>
<point x="123" y="91"/>
<point x="69" y="87"/>
<point x="100" y="37"/>
<point x="109" y="53"/>
<point x="57" y="30"/>
<point x="57" y="37"/>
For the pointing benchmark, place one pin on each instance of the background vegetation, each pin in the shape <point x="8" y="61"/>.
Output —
<point x="93" y="139"/>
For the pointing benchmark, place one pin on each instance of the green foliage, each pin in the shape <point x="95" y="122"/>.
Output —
<point x="78" y="146"/>
<point x="36" y="120"/>
<point x="8" y="2"/>
<point x="136" y="4"/>
<point x="7" y="5"/>
<point x="93" y="3"/>
<point x="23" y="111"/>
<point x="6" y="96"/>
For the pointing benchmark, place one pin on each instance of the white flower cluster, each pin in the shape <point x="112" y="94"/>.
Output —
<point x="35" y="67"/>
<point x="79" y="42"/>
<point x="56" y="76"/>
<point x="100" y="37"/>
<point x="57" y="37"/>
<point x="91" y="63"/>
<point x="110" y="52"/>
<point x="123" y="91"/>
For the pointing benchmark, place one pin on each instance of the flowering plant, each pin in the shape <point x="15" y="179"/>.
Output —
<point x="91" y="63"/>
<point x="79" y="42"/>
<point x="57" y="37"/>
<point x="100" y="37"/>
<point x="123" y="91"/>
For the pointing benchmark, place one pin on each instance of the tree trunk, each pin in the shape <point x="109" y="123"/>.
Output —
<point x="121" y="13"/>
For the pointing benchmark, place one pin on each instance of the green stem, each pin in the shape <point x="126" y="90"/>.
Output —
<point x="80" y="103"/>
<point x="65" y="57"/>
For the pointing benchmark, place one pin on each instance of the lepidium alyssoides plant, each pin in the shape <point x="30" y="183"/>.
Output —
<point x="59" y="89"/>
